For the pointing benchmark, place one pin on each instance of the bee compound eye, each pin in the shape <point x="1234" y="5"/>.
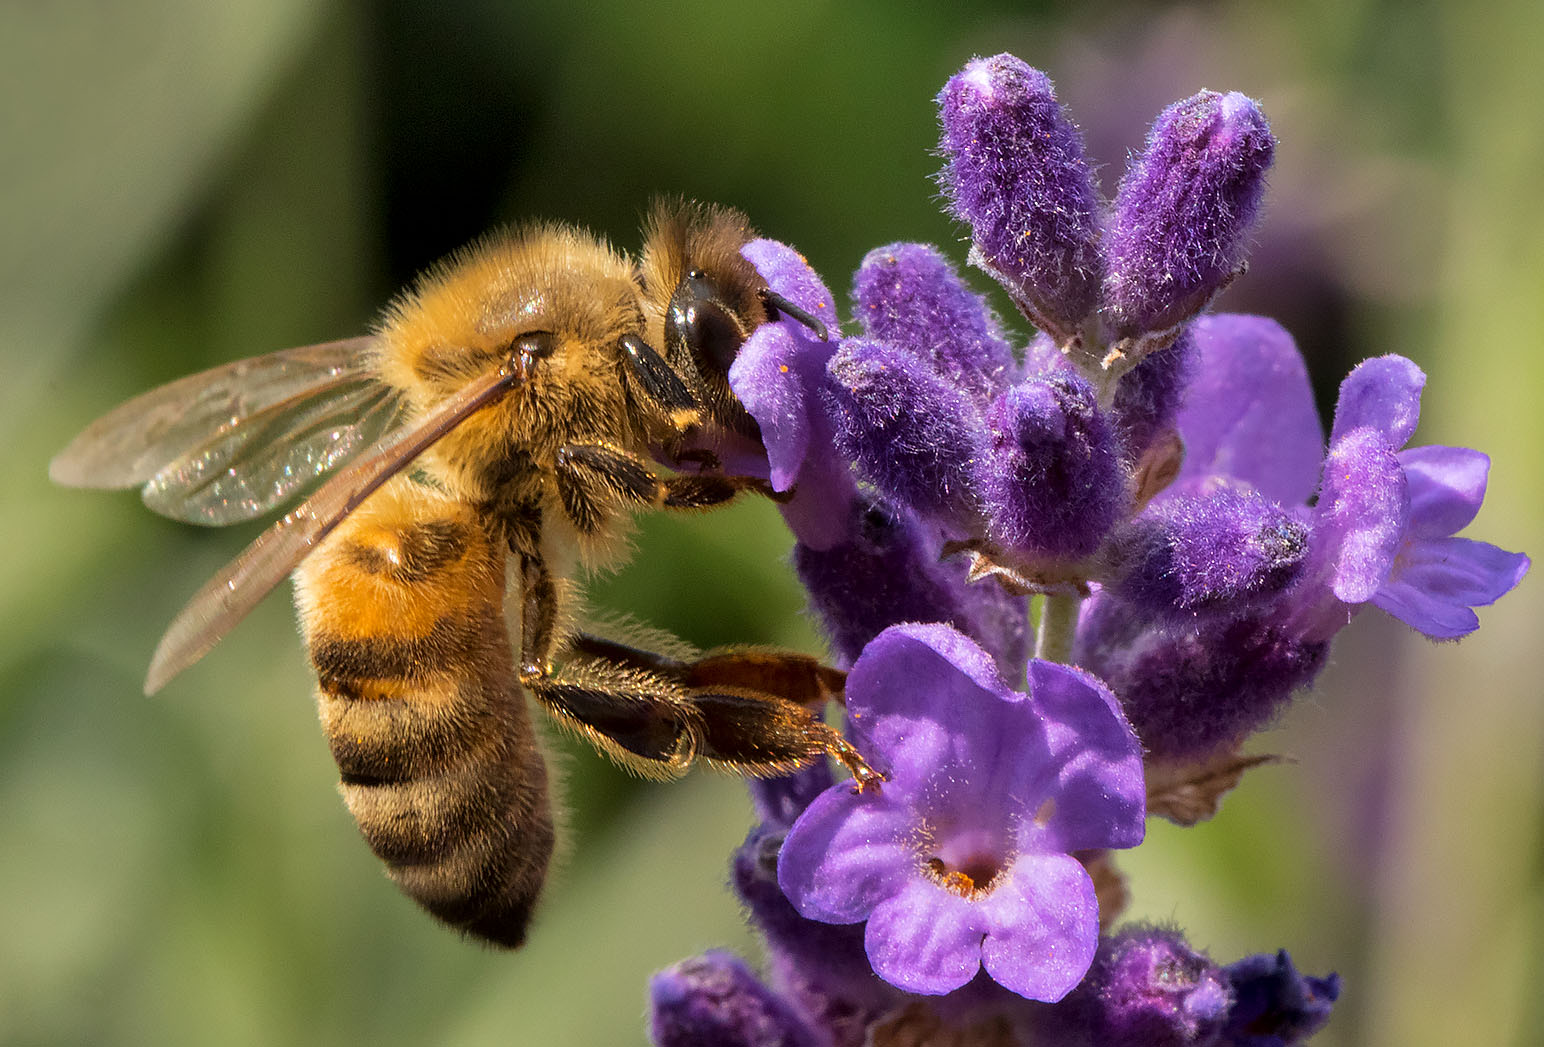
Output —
<point x="535" y="345"/>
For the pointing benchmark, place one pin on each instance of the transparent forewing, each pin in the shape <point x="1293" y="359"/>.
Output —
<point x="246" y="467"/>
<point x="134" y="442"/>
<point x="229" y="595"/>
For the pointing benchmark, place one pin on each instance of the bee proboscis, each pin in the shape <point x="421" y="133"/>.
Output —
<point x="509" y="414"/>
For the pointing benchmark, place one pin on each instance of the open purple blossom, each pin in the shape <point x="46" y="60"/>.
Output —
<point x="779" y="375"/>
<point x="962" y="860"/>
<point x="1385" y="519"/>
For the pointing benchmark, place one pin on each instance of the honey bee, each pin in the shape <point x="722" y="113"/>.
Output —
<point x="507" y="417"/>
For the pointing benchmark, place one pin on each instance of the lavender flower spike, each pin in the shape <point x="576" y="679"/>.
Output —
<point x="1017" y="173"/>
<point x="1184" y="211"/>
<point x="963" y="860"/>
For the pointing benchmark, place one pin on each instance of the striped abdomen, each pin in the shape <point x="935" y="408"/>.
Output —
<point x="402" y="610"/>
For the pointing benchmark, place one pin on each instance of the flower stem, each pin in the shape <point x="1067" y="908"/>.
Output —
<point x="1058" y="628"/>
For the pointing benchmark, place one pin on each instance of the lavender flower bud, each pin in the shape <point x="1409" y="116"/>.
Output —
<point x="1190" y="690"/>
<point x="1148" y="399"/>
<point x="714" y="999"/>
<point x="888" y="572"/>
<point x="1209" y="548"/>
<point x="1149" y="988"/>
<point x="1018" y="175"/>
<point x="911" y="433"/>
<point x="1275" y="1005"/>
<point x="821" y="966"/>
<point x="1050" y="481"/>
<point x="1184" y="211"/>
<point x="910" y="296"/>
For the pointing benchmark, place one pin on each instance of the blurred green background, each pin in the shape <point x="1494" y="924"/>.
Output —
<point x="184" y="183"/>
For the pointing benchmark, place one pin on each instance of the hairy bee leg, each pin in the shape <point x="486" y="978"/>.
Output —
<point x="756" y="705"/>
<point x="763" y="734"/>
<point x="796" y="677"/>
<point x="639" y="718"/>
<point x="594" y="480"/>
<point x="659" y="383"/>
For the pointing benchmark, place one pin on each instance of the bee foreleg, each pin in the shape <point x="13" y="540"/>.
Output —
<point x="705" y="490"/>
<point x="660" y="385"/>
<point x="595" y="480"/>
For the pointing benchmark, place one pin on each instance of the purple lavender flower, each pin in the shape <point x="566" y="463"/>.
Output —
<point x="886" y="571"/>
<point x="714" y="1000"/>
<point x="779" y="375"/>
<point x="911" y="433"/>
<point x="1017" y="173"/>
<point x="1384" y="522"/>
<point x="962" y="860"/>
<point x="1148" y="988"/>
<point x="1184" y="211"/>
<point x="1051" y="480"/>
<point x="1275" y="1006"/>
<point x="1210" y="547"/>
<point x="820" y="967"/>
<point x="1149" y="397"/>
<point x="1249" y="412"/>
<point x="910" y="296"/>
<point x="1192" y="690"/>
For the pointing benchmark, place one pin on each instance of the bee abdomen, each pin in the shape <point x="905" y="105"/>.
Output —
<point x="419" y="701"/>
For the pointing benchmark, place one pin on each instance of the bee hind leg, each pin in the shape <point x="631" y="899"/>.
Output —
<point x="755" y="707"/>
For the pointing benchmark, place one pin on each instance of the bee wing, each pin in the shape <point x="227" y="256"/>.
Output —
<point x="248" y="466"/>
<point x="227" y="597"/>
<point x="231" y="442"/>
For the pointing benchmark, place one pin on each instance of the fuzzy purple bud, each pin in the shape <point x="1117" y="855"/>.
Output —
<point x="1184" y="211"/>
<point x="1211" y="547"/>
<point x="714" y="1000"/>
<point x="912" y="434"/>
<point x="910" y="296"/>
<point x="822" y="967"/>
<point x="1190" y="690"/>
<point x="1149" y="988"/>
<point x="1148" y="399"/>
<point x="1018" y="175"/>
<point x="888" y="572"/>
<point x="1275" y="1006"/>
<point x="1051" y="480"/>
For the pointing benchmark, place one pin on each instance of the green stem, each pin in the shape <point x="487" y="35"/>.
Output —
<point x="1058" y="627"/>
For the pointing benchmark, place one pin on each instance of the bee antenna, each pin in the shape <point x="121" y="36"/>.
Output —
<point x="776" y="303"/>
